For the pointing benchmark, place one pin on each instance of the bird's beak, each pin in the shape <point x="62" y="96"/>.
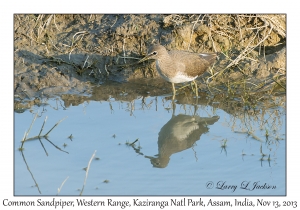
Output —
<point x="145" y="58"/>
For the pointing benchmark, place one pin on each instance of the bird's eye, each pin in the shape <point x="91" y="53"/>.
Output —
<point x="154" y="53"/>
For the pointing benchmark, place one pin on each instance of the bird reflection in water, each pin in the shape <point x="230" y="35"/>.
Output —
<point x="178" y="134"/>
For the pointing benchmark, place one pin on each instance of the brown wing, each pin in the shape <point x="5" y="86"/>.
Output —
<point x="194" y="64"/>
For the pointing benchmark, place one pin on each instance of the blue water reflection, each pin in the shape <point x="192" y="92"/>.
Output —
<point x="192" y="151"/>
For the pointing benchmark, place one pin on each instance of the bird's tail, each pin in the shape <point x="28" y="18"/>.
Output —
<point x="210" y="57"/>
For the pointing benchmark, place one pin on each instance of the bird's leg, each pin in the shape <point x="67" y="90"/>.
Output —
<point x="196" y="88"/>
<point x="195" y="107"/>
<point x="174" y="90"/>
<point x="173" y="102"/>
<point x="173" y="107"/>
<point x="193" y="88"/>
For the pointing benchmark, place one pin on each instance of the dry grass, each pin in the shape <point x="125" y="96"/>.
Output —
<point x="241" y="41"/>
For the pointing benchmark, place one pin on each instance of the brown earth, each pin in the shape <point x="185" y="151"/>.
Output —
<point x="94" y="56"/>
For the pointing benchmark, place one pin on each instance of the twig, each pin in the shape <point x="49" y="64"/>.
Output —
<point x="26" y="134"/>
<point x="28" y="168"/>
<point x="39" y="17"/>
<point x="106" y="70"/>
<point x="43" y="146"/>
<point x="124" y="49"/>
<point x="54" y="126"/>
<point x="29" y="37"/>
<point x="278" y="83"/>
<point x="80" y="34"/>
<point x="193" y="32"/>
<point x="47" y="22"/>
<point x="54" y="45"/>
<point x="114" y="22"/>
<point x="274" y="24"/>
<point x="246" y="51"/>
<point x="59" y="189"/>
<point x="43" y="125"/>
<point x="85" y="61"/>
<point x="55" y="23"/>
<point x="223" y="34"/>
<point x="57" y="147"/>
<point x="133" y="142"/>
<point x="211" y="36"/>
<point x="87" y="171"/>
<point x="70" y="53"/>
<point x="238" y="20"/>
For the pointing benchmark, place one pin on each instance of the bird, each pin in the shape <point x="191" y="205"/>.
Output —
<point x="178" y="66"/>
<point x="178" y="134"/>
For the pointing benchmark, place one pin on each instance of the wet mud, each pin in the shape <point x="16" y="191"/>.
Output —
<point x="94" y="57"/>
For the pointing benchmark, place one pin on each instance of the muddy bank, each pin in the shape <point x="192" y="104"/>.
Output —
<point x="59" y="55"/>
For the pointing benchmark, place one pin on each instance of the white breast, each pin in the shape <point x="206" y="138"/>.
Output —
<point x="179" y="77"/>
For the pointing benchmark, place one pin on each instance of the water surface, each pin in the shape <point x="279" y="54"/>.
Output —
<point x="145" y="147"/>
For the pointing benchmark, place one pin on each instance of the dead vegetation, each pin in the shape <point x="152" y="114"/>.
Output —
<point x="56" y="54"/>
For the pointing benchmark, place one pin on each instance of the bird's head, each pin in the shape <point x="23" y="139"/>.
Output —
<point x="155" y="52"/>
